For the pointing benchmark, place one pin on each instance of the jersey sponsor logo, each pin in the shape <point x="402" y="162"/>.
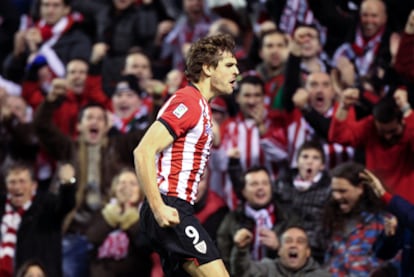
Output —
<point x="180" y="110"/>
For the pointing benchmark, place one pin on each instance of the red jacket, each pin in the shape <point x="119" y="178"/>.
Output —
<point x="66" y="116"/>
<point x="404" y="61"/>
<point x="395" y="164"/>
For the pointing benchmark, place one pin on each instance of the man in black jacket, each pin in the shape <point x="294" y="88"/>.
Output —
<point x="55" y="38"/>
<point x="31" y="222"/>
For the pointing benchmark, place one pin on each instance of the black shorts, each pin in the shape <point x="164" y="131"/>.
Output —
<point x="187" y="241"/>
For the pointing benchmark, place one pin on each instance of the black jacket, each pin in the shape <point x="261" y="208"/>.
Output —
<point x="39" y="235"/>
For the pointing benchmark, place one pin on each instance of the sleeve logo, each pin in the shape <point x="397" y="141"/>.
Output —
<point x="180" y="110"/>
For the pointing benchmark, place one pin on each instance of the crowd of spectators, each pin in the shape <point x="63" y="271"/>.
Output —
<point x="312" y="165"/>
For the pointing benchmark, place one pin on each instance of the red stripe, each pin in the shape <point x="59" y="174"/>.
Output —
<point x="249" y="132"/>
<point x="198" y="155"/>
<point x="176" y="167"/>
<point x="8" y="244"/>
<point x="196" y="165"/>
<point x="11" y="230"/>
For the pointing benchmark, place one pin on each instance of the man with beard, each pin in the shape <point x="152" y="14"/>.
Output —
<point x="294" y="256"/>
<point x="386" y="136"/>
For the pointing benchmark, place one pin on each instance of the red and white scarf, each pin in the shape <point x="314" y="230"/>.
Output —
<point x="298" y="12"/>
<point x="115" y="246"/>
<point x="263" y="218"/>
<point x="362" y="51"/>
<point x="303" y="185"/>
<point x="9" y="226"/>
<point x="124" y="125"/>
<point x="50" y="35"/>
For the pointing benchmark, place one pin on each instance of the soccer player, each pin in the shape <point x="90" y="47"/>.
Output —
<point x="172" y="156"/>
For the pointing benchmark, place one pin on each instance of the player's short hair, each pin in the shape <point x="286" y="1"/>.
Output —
<point x="207" y="51"/>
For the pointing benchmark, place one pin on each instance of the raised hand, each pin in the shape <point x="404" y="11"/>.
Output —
<point x="390" y="225"/>
<point x="409" y="27"/>
<point x="301" y="98"/>
<point x="243" y="238"/>
<point x="58" y="89"/>
<point x="268" y="238"/>
<point x="371" y="180"/>
<point x="66" y="173"/>
<point x="401" y="98"/>
<point x="33" y="38"/>
<point x="346" y="70"/>
<point x="98" y="52"/>
<point x="349" y="97"/>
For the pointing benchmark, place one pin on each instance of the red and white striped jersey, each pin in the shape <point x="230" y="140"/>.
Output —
<point x="180" y="166"/>
<point x="242" y="133"/>
<point x="297" y="131"/>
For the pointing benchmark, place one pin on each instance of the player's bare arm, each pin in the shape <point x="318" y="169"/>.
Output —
<point x="154" y="141"/>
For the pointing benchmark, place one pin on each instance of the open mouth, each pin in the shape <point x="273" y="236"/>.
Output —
<point x="320" y="99"/>
<point x="293" y="255"/>
<point x="124" y="108"/>
<point x="93" y="132"/>
<point x="260" y="195"/>
<point x="343" y="206"/>
<point x="17" y="197"/>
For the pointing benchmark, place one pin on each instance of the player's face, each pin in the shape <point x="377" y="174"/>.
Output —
<point x="223" y="77"/>
<point x="257" y="189"/>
